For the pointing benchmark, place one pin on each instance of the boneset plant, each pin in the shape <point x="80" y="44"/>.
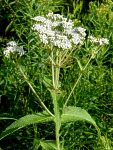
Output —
<point x="61" y="39"/>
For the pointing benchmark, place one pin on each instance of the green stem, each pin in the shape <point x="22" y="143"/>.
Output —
<point x="77" y="82"/>
<point x="57" y="120"/>
<point x="56" y="105"/>
<point x="57" y="71"/>
<point x="53" y="69"/>
<point x="42" y="104"/>
<point x="55" y="79"/>
<point x="65" y="57"/>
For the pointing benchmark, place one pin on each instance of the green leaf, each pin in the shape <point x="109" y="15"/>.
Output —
<point x="1" y="82"/>
<point x="3" y="118"/>
<point x="56" y="95"/>
<point x="72" y="114"/>
<point x="47" y="82"/>
<point x="48" y="145"/>
<point x="80" y="66"/>
<point x="36" y="144"/>
<point x="25" y="121"/>
<point x="8" y="27"/>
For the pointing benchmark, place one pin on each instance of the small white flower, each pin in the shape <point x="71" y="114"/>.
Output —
<point x="19" y="50"/>
<point x="68" y="31"/>
<point x="93" y="39"/>
<point x="50" y="33"/>
<point x="12" y="43"/>
<point x="77" y="39"/>
<point x="68" y="25"/>
<point x="8" y="50"/>
<point x="44" y="38"/>
<point x="62" y="42"/>
<point x="54" y="17"/>
<point x="13" y="48"/>
<point x="57" y="17"/>
<point x="48" y="24"/>
<point x="50" y="14"/>
<point x="101" y="41"/>
<point x="56" y="23"/>
<point x="39" y="28"/>
<point x="66" y="44"/>
<point x="80" y="30"/>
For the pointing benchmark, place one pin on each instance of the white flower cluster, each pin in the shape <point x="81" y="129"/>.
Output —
<point x="58" y="31"/>
<point x="12" y="47"/>
<point x="101" y="41"/>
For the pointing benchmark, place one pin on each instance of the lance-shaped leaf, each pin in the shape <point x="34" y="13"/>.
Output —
<point x="48" y="145"/>
<point x="25" y="121"/>
<point x="72" y="114"/>
<point x="7" y="118"/>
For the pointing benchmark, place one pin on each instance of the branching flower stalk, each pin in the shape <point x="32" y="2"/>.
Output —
<point x="81" y="73"/>
<point x="76" y="82"/>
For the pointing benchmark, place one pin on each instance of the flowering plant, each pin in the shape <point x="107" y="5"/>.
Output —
<point x="59" y="35"/>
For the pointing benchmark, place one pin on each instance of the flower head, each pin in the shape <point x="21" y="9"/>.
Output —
<point x="12" y="43"/>
<point x="57" y="31"/>
<point x="12" y="47"/>
<point x="101" y="41"/>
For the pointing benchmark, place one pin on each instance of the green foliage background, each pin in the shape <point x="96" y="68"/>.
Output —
<point x="93" y="93"/>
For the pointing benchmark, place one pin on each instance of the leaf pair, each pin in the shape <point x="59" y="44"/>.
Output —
<point x="70" y="114"/>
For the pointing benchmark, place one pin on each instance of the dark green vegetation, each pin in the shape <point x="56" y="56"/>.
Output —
<point x="94" y="92"/>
